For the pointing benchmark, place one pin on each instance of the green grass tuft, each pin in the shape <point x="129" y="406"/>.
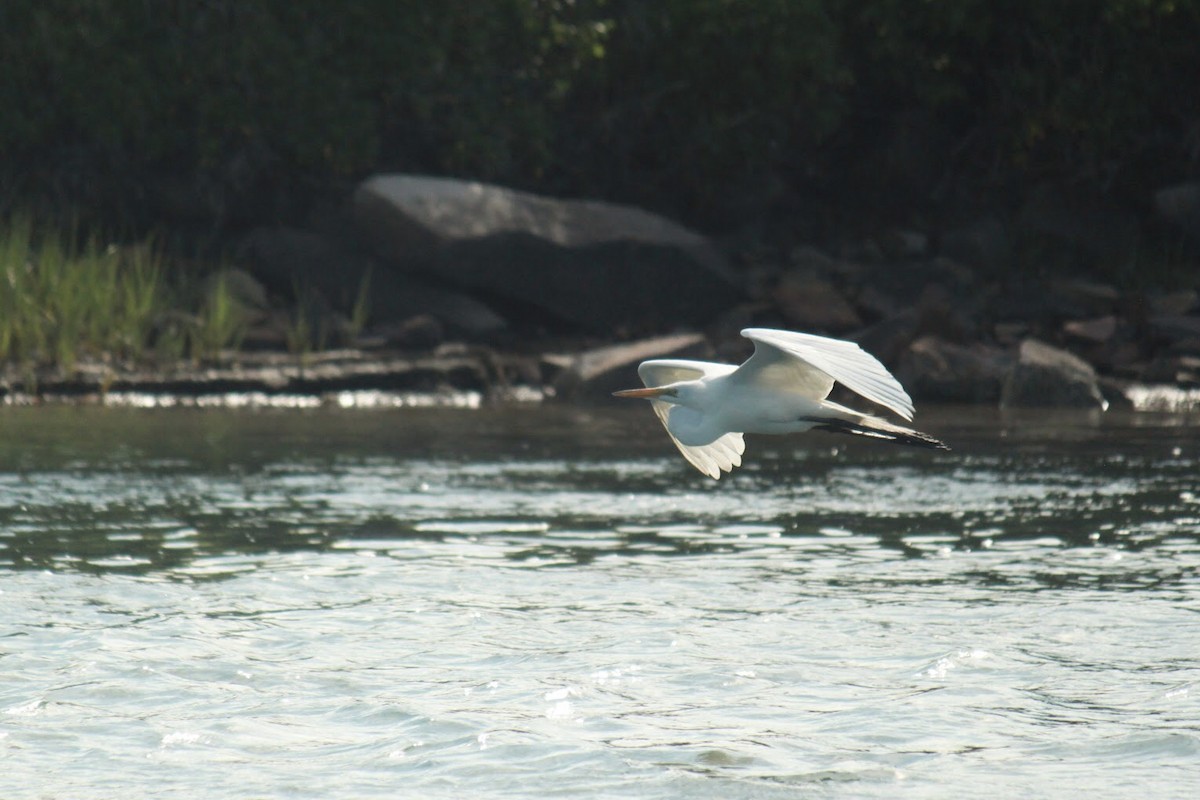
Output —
<point x="221" y="322"/>
<point x="62" y="301"/>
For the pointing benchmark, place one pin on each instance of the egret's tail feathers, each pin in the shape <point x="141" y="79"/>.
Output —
<point x="881" y="429"/>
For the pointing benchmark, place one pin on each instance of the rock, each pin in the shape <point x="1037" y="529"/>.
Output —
<point x="725" y="333"/>
<point x="1180" y="206"/>
<point x="287" y="259"/>
<point x="984" y="243"/>
<point x="1100" y="330"/>
<point x="890" y="337"/>
<point x="1045" y="376"/>
<point x="246" y="304"/>
<point x="935" y="370"/>
<point x="294" y="262"/>
<point x="807" y="258"/>
<point x="599" y="372"/>
<point x="1189" y="371"/>
<point x="591" y="265"/>
<point x="268" y="332"/>
<point x="276" y="374"/>
<point x="1069" y="226"/>
<point x="424" y="331"/>
<point x="944" y="315"/>
<point x="759" y="281"/>
<point x="811" y="303"/>
<point x="1114" y="392"/>
<point x="1047" y="305"/>
<point x="1183" y="301"/>
<point x="242" y="287"/>
<point x="1104" y="342"/>
<point x="1174" y="328"/>
<point x="1189" y="347"/>
<point x="861" y="252"/>
<point x="1125" y="355"/>
<point x="1182" y="370"/>
<point x="876" y="304"/>
<point x="906" y="282"/>
<point x="1010" y="332"/>
<point x="1091" y="297"/>
<point x="899" y="243"/>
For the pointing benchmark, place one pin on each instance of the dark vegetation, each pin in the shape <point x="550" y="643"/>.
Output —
<point x="812" y="117"/>
<point x="766" y="123"/>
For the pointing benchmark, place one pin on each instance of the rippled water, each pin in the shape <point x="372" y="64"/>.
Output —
<point x="548" y="602"/>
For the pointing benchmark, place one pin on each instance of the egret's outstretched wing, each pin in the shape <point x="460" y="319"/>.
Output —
<point x="821" y="362"/>
<point x="661" y="371"/>
<point x="723" y="454"/>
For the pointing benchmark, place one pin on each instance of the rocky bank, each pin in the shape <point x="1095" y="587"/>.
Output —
<point x="471" y="287"/>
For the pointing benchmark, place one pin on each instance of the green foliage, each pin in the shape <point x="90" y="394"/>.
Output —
<point x="685" y="105"/>
<point x="1075" y="90"/>
<point x="61" y="302"/>
<point x="697" y="100"/>
<point x="308" y="323"/>
<point x="221" y="322"/>
<point x="361" y="310"/>
<point x="317" y="85"/>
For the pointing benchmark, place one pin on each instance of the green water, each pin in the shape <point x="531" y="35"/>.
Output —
<point x="547" y="601"/>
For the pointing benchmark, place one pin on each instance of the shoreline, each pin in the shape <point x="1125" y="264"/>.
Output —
<point x="287" y="380"/>
<point x="456" y="376"/>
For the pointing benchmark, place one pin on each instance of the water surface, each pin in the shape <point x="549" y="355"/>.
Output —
<point x="546" y="601"/>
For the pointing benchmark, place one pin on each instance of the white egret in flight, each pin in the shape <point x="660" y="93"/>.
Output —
<point x="706" y="407"/>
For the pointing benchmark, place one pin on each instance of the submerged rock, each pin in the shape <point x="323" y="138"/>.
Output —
<point x="1047" y="377"/>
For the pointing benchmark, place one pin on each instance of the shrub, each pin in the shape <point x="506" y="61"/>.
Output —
<point x="227" y="113"/>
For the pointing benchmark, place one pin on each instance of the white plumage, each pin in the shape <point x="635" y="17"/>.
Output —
<point x="781" y="388"/>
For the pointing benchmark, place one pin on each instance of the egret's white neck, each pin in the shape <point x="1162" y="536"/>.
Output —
<point x="689" y="419"/>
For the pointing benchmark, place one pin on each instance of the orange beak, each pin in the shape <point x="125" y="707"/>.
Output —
<point x="644" y="393"/>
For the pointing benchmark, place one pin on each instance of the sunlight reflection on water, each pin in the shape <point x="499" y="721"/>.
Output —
<point x="547" y="601"/>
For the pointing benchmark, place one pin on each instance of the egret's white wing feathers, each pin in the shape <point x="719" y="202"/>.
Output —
<point x="724" y="453"/>
<point x="773" y="363"/>
<point x="721" y="455"/>
<point x="661" y="371"/>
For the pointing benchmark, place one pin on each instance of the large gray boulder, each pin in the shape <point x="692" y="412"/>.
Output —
<point x="1047" y="377"/>
<point x="593" y="265"/>
<point x="938" y="371"/>
<point x="290" y="261"/>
